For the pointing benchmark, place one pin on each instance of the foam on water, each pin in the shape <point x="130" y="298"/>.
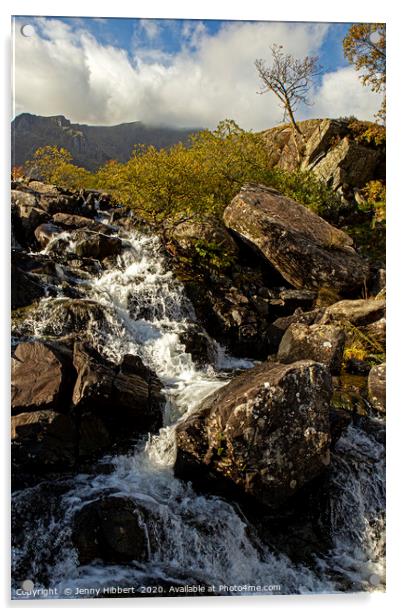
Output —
<point x="192" y="536"/>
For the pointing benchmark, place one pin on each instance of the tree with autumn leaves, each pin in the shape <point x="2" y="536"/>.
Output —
<point x="54" y="165"/>
<point x="365" y="47"/>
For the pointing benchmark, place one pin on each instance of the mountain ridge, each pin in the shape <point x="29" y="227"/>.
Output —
<point x="90" y="145"/>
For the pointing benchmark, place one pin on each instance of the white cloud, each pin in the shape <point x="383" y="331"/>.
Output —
<point x="67" y="71"/>
<point x="342" y="94"/>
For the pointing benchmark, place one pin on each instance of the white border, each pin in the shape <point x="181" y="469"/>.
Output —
<point x="292" y="10"/>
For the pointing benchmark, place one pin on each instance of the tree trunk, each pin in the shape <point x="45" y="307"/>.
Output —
<point x="296" y="131"/>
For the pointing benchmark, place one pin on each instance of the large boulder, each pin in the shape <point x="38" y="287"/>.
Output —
<point x="322" y="343"/>
<point x="127" y="397"/>
<point x="111" y="529"/>
<point x="376" y="332"/>
<point x="38" y="378"/>
<point x="377" y="387"/>
<point x="306" y="250"/>
<point x="264" y="435"/>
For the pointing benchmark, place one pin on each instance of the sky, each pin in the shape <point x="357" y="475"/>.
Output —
<point x="182" y="73"/>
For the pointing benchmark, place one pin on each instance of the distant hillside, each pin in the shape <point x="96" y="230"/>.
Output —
<point x="91" y="146"/>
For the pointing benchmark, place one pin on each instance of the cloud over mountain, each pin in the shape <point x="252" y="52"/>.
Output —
<point x="64" y="69"/>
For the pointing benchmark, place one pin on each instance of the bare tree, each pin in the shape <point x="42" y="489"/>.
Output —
<point x="290" y="80"/>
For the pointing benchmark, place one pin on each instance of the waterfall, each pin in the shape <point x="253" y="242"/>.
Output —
<point x="192" y="537"/>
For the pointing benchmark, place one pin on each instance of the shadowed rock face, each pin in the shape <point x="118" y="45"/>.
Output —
<point x="69" y="405"/>
<point x="306" y="250"/>
<point x="259" y="435"/>
<point x="111" y="529"/>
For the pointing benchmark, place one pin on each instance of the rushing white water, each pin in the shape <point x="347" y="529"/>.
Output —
<point x="193" y="537"/>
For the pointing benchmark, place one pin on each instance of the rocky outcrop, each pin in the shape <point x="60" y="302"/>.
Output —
<point x="377" y="387"/>
<point x="346" y="164"/>
<point x="333" y="150"/>
<point x="322" y="343"/>
<point x="111" y="529"/>
<point x="264" y="435"/>
<point x="306" y="250"/>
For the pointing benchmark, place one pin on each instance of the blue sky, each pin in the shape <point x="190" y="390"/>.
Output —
<point x="175" y="72"/>
<point x="124" y="32"/>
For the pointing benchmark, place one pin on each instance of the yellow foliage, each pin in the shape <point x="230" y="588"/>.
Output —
<point x="53" y="164"/>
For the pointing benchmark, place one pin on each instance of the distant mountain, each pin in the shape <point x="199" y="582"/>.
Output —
<point x="90" y="146"/>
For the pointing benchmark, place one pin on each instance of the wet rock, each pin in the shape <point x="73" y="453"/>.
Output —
<point x="96" y="200"/>
<point x="25" y="288"/>
<point x="264" y="435"/>
<point x="377" y="387"/>
<point x="340" y="419"/>
<point x="230" y="317"/>
<point x="38" y="378"/>
<point x="200" y="346"/>
<point x="43" y="441"/>
<point x="46" y="441"/>
<point x="322" y="343"/>
<point x="129" y="403"/>
<point x="307" y="251"/>
<point x="112" y="529"/>
<point x="119" y="213"/>
<point x="356" y="311"/>
<point x="74" y="319"/>
<point x="96" y="245"/>
<point x="46" y="232"/>
<point x="73" y="221"/>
